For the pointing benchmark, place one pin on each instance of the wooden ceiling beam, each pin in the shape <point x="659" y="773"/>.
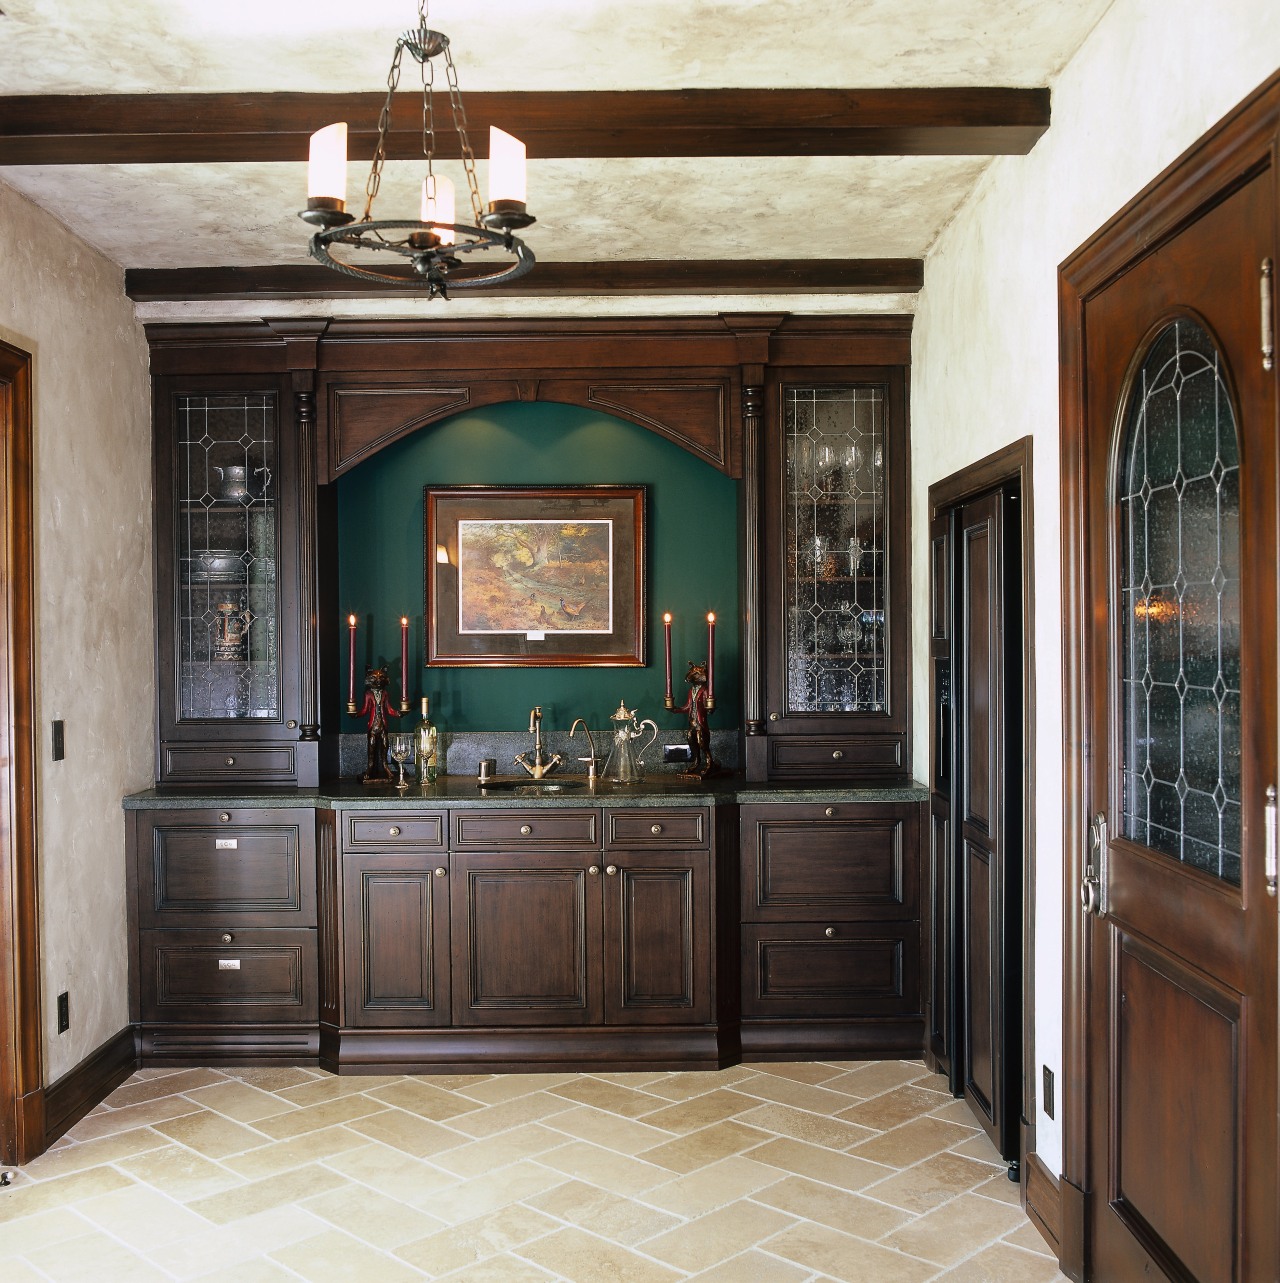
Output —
<point x="698" y="276"/>
<point x="65" y="129"/>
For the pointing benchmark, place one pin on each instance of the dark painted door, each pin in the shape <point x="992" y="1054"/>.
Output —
<point x="989" y="855"/>
<point x="1180" y="706"/>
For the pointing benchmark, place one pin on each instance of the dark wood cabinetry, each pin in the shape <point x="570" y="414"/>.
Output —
<point x="229" y="607"/>
<point x="835" y="539"/>
<point x="830" y="928"/>
<point x="224" y="912"/>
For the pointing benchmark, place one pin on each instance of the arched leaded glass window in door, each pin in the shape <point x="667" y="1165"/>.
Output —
<point x="1179" y="496"/>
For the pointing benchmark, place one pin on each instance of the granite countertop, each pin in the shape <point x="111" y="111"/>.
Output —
<point x="461" y="791"/>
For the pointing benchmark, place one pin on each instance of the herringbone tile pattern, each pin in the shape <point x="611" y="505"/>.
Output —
<point x="757" y="1174"/>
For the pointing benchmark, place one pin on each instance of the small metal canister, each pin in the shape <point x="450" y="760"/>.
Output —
<point x="488" y="769"/>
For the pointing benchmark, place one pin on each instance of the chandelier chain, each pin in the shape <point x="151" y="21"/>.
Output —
<point x="384" y="124"/>
<point x="429" y="121"/>
<point x="460" y="124"/>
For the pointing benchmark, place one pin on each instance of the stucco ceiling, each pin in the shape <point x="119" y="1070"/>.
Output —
<point x="243" y="214"/>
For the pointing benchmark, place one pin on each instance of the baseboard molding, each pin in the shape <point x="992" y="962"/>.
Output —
<point x="68" y="1100"/>
<point x="1044" y="1202"/>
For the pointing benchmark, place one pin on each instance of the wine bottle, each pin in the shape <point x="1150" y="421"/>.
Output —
<point x="426" y="747"/>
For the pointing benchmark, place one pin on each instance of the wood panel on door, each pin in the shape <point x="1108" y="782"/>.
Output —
<point x="1179" y="478"/>
<point x="657" y="938"/>
<point x="990" y="956"/>
<point x="396" y="939"/>
<point x="526" y="938"/>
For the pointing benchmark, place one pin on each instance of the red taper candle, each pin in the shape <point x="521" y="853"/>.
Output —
<point x="711" y="656"/>
<point x="404" y="663"/>
<point x="351" y="663"/>
<point x="666" y="639"/>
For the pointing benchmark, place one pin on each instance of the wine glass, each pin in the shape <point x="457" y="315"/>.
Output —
<point x="400" y="744"/>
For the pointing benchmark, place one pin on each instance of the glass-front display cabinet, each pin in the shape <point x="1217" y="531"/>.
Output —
<point x="226" y="602"/>
<point x="837" y="584"/>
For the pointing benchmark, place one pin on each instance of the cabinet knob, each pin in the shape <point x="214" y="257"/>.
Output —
<point x="611" y="869"/>
<point x="594" y="870"/>
<point x="231" y="761"/>
<point x="227" y="937"/>
<point x="441" y="871"/>
<point x="838" y="754"/>
<point x="394" y="830"/>
<point x="655" y="829"/>
<point x="225" y="817"/>
<point x="292" y="723"/>
<point x="773" y="717"/>
<point x="831" y="810"/>
<point x="830" y="933"/>
<point x="526" y="829"/>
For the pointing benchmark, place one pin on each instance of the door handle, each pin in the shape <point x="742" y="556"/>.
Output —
<point x="1093" y="886"/>
<point x="1272" y="840"/>
<point x="1268" y="323"/>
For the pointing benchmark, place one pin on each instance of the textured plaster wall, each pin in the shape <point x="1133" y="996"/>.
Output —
<point x="64" y="303"/>
<point x="1149" y="80"/>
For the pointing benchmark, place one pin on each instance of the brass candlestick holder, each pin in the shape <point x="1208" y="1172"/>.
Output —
<point x="697" y="707"/>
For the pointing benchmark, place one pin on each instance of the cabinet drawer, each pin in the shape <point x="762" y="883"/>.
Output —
<point x="816" y="970"/>
<point x="845" y="862"/>
<point x="256" y="976"/>
<point x="232" y="763"/>
<point x="388" y="831"/>
<point x="835" y="756"/>
<point x="686" y="827"/>
<point x="253" y="868"/>
<point x="526" y="830"/>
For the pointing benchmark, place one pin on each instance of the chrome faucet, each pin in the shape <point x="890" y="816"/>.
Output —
<point x="592" y="766"/>
<point x="542" y="764"/>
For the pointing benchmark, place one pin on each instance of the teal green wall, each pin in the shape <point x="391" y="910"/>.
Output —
<point x="693" y="562"/>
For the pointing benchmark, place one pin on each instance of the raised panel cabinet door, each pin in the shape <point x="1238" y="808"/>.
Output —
<point x="657" y="938"/>
<point x="846" y="862"/>
<point x="395" y="910"/>
<point x="526" y="936"/>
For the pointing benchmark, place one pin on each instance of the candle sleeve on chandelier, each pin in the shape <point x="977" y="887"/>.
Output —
<point x="327" y="165"/>
<point x="506" y="167"/>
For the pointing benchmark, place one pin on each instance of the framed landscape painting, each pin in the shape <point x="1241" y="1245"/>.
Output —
<point x="535" y="575"/>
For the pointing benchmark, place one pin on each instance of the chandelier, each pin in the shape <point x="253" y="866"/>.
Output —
<point x="434" y="244"/>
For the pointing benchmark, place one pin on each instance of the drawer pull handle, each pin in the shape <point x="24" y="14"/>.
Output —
<point x="292" y="724"/>
<point x="227" y="937"/>
<point x="773" y="717"/>
<point x="441" y="871"/>
<point x="526" y="829"/>
<point x="656" y="829"/>
<point x="838" y="754"/>
<point x="611" y="869"/>
<point x="231" y="761"/>
<point x="594" y="870"/>
<point x="831" y="810"/>
<point x="228" y="964"/>
<point x="225" y="817"/>
<point x="394" y="830"/>
<point x="830" y="933"/>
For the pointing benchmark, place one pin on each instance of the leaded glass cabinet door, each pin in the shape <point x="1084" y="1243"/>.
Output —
<point x="836" y="695"/>
<point x="227" y="600"/>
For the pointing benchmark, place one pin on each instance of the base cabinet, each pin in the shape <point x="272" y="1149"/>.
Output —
<point x="830" y="928"/>
<point x="395" y="933"/>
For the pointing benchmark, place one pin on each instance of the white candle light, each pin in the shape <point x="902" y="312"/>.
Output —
<point x="438" y="205"/>
<point x="327" y="165"/>
<point x="506" y="167"/>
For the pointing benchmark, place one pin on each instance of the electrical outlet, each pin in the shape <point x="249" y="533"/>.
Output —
<point x="59" y="740"/>
<point x="64" y="1012"/>
<point x="677" y="753"/>
<point x="1046" y="1090"/>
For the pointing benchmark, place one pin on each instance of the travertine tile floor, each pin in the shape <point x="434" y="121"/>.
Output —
<point x="784" y="1173"/>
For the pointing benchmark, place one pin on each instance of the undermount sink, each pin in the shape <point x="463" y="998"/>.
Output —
<point x="531" y="788"/>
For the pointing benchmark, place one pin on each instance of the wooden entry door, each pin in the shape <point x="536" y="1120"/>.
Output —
<point x="1178" y="690"/>
<point x="989" y="819"/>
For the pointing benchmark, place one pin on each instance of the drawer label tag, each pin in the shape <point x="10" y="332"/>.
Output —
<point x="228" y="964"/>
<point x="226" y="844"/>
